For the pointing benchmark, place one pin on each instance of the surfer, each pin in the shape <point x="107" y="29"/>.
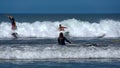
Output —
<point x="14" y="27"/>
<point x="62" y="39"/>
<point x="61" y="28"/>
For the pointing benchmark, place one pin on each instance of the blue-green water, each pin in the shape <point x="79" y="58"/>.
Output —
<point x="79" y="63"/>
<point x="60" y="17"/>
<point x="95" y="41"/>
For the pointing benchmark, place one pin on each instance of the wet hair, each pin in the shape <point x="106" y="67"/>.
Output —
<point x="61" y="35"/>
<point x="59" y="24"/>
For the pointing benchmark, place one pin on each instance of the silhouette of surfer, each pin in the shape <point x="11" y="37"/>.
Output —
<point x="13" y="23"/>
<point x="62" y="39"/>
<point x="14" y="27"/>
<point x="61" y="28"/>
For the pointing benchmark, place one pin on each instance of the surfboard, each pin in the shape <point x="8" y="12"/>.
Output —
<point x="72" y="45"/>
<point x="83" y="45"/>
<point x="15" y="35"/>
<point x="101" y="36"/>
<point x="66" y="33"/>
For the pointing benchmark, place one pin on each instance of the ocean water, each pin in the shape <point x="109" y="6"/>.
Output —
<point x="95" y="41"/>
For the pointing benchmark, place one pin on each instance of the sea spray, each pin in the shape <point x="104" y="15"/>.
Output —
<point x="76" y="28"/>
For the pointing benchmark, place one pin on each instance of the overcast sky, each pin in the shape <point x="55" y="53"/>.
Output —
<point x="60" y="6"/>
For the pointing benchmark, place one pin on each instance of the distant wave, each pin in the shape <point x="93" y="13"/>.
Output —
<point x="77" y="28"/>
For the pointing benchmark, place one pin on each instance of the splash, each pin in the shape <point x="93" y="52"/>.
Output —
<point x="57" y="52"/>
<point x="76" y="28"/>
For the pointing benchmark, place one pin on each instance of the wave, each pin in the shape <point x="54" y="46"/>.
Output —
<point x="76" y="28"/>
<point x="58" y="52"/>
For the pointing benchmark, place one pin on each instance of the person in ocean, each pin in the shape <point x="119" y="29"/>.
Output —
<point x="14" y="27"/>
<point x="62" y="39"/>
<point x="61" y="28"/>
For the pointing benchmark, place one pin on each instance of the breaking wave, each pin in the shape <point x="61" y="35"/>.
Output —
<point x="57" y="52"/>
<point x="76" y="28"/>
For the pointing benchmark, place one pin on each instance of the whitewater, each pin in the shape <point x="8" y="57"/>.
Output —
<point x="48" y="48"/>
<point x="95" y="41"/>
<point x="38" y="40"/>
<point x="54" y="51"/>
<point x="75" y="27"/>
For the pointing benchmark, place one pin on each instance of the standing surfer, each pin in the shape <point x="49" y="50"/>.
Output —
<point x="14" y="27"/>
<point x="61" y="28"/>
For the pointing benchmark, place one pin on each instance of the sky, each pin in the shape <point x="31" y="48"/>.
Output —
<point x="60" y="6"/>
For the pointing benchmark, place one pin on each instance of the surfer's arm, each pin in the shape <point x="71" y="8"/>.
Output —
<point x="11" y="19"/>
<point x="67" y="40"/>
<point x="64" y="27"/>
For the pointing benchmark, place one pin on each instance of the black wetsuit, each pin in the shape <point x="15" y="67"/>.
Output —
<point x="61" y="41"/>
<point x="12" y="20"/>
<point x="13" y="23"/>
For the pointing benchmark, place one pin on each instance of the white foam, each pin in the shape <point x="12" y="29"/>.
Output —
<point x="76" y="28"/>
<point x="29" y="52"/>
